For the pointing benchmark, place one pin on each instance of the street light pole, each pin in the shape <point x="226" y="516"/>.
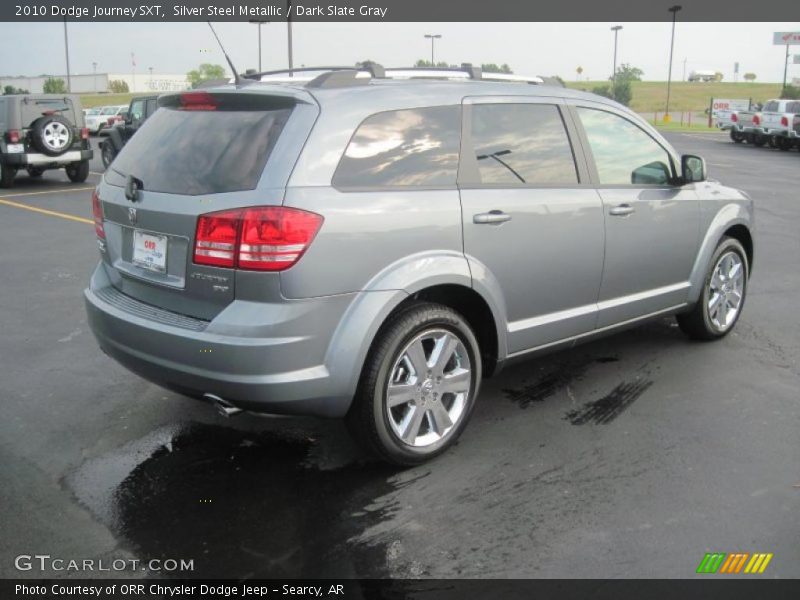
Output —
<point x="289" y="36"/>
<point x="259" y="22"/>
<point x="94" y="76"/>
<point x="785" y="71"/>
<point x="615" y="29"/>
<point x="66" y="53"/>
<point x="674" y="10"/>
<point x="432" y="37"/>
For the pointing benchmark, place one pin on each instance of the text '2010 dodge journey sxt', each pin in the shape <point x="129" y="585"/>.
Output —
<point x="370" y="248"/>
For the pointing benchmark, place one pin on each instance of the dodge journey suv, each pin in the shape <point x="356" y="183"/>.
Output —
<point x="370" y="247"/>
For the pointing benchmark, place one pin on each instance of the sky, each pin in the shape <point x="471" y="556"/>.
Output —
<point x="529" y="48"/>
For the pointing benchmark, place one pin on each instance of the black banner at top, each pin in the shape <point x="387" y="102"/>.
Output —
<point x="399" y="10"/>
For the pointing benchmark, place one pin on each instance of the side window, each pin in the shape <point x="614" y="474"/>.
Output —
<point x="403" y="148"/>
<point x="152" y="105"/>
<point x="137" y="110"/>
<point x="2" y="113"/>
<point x="623" y="153"/>
<point x="770" y="107"/>
<point x="518" y="144"/>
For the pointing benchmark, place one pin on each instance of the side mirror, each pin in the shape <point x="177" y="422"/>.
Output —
<point x="693" y="168"/>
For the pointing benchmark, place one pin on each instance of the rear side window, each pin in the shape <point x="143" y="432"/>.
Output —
<point x="793" y="107"/>
<point x="200" y="151"/>
<point x="522" y="144"/>
<point x="403" y="148"/>
<point x="771" y="107"/>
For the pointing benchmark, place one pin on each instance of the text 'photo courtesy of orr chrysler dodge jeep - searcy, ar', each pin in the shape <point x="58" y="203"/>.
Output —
<point x="358" y="243"/>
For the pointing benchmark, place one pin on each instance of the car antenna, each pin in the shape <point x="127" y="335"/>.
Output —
<point x="236" y="79"/>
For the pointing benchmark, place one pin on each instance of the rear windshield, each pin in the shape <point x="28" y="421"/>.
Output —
<point x="34" y="109"/>
<point x="200" y="152"/>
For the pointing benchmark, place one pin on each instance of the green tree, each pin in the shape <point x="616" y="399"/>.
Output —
<point x="205" y="72"/>
<point x="55" y="85"/>
<point x="118" y="86"/>
<point x="749" y="76"/>
<point x="493" y="68"/>
<point x="426" y="63"/>
<point x="718" y="76"/>
<point x="10" y="89"/>
<point x="626" y="72"/>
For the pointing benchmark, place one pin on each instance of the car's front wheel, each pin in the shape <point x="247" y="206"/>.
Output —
<point x="418" y="386"/>
<point x="723" y="295"/>
<point x="78" y="171"/>
<point x="107" y="152"/>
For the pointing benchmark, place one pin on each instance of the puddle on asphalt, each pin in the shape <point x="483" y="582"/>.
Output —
<point x="610" y="406"/>
<point x="553" y="379"/>
<point x="242" y="504"/>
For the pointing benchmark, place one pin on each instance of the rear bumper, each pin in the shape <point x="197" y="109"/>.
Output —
<point x="42" y="160"/>
<point x="245" y="355"/>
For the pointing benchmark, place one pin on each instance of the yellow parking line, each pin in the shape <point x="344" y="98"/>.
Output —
<point x="80" y="189"/>
<point x="52" y="213"/>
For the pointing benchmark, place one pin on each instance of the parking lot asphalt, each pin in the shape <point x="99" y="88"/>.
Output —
<point x="632" y="456"/>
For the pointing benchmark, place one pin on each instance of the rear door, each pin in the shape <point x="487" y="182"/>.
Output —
<point x="209" y="153"/>
<point x="533" y="223"/>
<point x="652" y="226"/>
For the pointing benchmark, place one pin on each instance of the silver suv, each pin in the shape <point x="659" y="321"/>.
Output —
<point x="372" y="247"/>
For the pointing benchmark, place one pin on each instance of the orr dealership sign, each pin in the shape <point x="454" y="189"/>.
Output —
<point x="786" y="38"/>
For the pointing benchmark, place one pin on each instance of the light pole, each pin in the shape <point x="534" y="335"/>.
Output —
<point x="683" y="77"/>
<point x="66" y="53"/>
<point x="94" y="76"/>
<point x="674" y="10"/>
<point x="785" y="72"/>
<point x="259" y="22"/>
<point x="615" y="29"/>
<point x="289" y="36"/>
<point x="432" y="37"/>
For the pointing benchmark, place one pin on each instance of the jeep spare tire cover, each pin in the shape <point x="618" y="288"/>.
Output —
<point x="51" y="135"/>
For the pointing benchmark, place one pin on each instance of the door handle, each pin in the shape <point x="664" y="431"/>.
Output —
<point x="621" y="210"/>
<point x="493" y="217"/>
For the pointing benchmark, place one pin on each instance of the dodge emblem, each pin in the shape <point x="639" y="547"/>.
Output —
<point x="132" y="215"/>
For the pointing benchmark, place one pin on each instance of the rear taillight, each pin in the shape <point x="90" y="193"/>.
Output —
<point x="784" y="121"/>
<point x="216" y="237"/>
<point x="84" y="133"/>
<point x="197" y="101"/>
<point x="266" y="238"/>
<point x="13" y="136"/>
<point x="735" y="118"/>
<point x="97" y="211"/>
<point x="756" y="120"/>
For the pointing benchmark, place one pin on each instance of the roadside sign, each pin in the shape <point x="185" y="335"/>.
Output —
<point x="786" y="38"/>
<point x="728" y="104"/>
<point x="736" y="67"/>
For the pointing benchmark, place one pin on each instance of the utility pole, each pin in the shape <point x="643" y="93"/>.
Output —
<point x="289" y="37"/>
<point x="259" y="22"/>
<point x="615" y="29"/>
<point x="683" y="77"/>
<point x="433" y="37"/>
<point x="66" y="53"/>
<point x="785" y="71"/>
<point x="94" y="76"/>
<point x="674" y="10"/>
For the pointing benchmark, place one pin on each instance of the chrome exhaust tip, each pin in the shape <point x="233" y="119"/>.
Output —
<point x="224" y="408"/>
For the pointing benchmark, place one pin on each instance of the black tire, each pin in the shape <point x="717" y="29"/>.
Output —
<point x="7" y="175"/>
<point x="784" y="144"/>
<point x="698" y="323"/>
<point x="52" y="135"/>
<point x="369" y="417"/>
<point x="736" y="136"/>
<point x="758" y="140"/>
<point x="35" y="172"/>
<point x="78" y="171"/>
<point x="107" y="152"/>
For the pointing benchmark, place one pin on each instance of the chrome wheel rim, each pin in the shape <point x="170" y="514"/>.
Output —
<point x="56" y="135"/>
<point x="428" y="389"/>
<point x="726" y="291"/>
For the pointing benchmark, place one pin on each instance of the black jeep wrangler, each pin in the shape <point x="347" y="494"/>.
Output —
<point x="40" y="132"/>
<point x="140" y="109"/>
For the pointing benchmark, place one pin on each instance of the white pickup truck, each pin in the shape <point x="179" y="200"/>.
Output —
<point x="746" y="127"/>
<point x="780" y="120"/>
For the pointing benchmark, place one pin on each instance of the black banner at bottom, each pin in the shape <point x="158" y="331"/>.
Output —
<point x="401" y="589"/>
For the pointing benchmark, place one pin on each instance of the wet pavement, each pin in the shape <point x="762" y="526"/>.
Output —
<point x="630" y="456"/>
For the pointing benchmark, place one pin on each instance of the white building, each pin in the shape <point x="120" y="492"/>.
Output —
<point x="91" y="83"/>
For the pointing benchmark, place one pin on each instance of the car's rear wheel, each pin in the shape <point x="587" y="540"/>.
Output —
<point x="78" y="171"/>
<point x="737" y="136"/>
<point x="758" y="140"/>
<point x="51" y="135"/>
<point x="35" y="172"/>
<point x="418" y="386"/>
<point x="7" y="175"/>
<point x="723" y="295"/>
<point x="107" y="152"/>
